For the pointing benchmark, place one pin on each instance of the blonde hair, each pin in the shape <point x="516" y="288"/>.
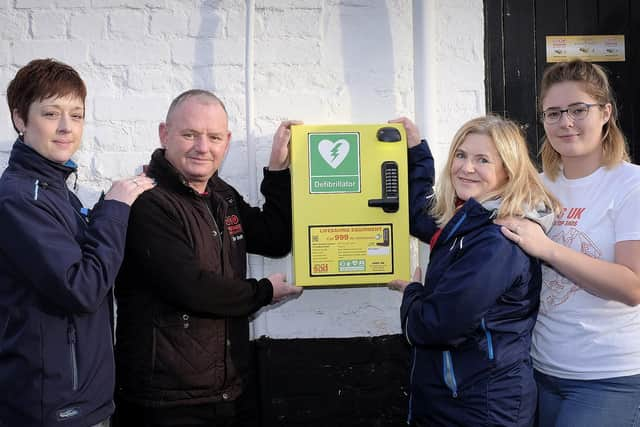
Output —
<point x="596" y="84"/>
<point x="523" y="189"/>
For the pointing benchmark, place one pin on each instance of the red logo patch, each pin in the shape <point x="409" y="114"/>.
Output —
<point x="231" y="220"/>
<point x="233" y="225"/>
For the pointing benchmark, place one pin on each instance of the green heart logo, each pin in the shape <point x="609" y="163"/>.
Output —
<point x="333" y="153"/>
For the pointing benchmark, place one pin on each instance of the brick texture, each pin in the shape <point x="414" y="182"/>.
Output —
<point x="315" y="60"/>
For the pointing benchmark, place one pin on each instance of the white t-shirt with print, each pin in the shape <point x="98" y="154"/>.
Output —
<point x="579" y="335"/>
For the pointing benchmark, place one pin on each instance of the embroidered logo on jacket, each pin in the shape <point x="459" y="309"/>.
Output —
<point x="232" y="222"/>
<point x="66" y="413"/>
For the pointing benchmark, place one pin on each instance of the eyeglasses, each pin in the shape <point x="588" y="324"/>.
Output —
<point x="578" y="111"/>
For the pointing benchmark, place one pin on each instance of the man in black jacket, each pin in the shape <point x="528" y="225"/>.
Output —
<point x="183" y="299"/>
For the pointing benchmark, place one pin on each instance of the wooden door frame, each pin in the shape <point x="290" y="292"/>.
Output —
<point x="511" y="81"/>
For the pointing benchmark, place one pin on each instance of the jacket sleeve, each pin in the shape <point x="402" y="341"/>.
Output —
<point x="268" y="230"/>
<point x="159" y="253"/>
<point x="421" y="179"/>
<point x="467" y="289"/>
<point x="73" y="275"/>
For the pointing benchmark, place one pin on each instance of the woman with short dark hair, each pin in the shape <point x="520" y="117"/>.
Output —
<point x="58" y="261"/>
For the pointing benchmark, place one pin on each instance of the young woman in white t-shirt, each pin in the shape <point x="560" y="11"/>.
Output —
<point x="586" y="342"/>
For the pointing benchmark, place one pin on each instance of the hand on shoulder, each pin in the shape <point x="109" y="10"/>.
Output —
<point x="129" y="189"/>
<point x="526" y="234"/>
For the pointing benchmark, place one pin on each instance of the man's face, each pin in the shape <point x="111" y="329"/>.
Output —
<point x="196" y="138"/>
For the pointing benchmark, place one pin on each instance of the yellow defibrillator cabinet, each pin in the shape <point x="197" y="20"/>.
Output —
<point x="350" y="204"/>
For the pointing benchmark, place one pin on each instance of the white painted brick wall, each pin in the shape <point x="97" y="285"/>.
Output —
<point x="87" y="26"/>
<point x="166" y="23"/>
<point x="14" y="24"/>
<point x="69" y="4"/>
<point x="127" y="52"/>
<point x="322" y="61"/>
<point x="140" y="108"/>
<point x="70" y="51"/>
<point x="49" y="24"/>
<point x="129" y="4"/>
<point x="206" y="52"/>
<point x="460" y="70"/>
<point x="4" y="53"/>
<point x="285" y="4"/>
<point x="289" y="23"/>
<point x="128" y="24"/>
<point x="207" y="23"/>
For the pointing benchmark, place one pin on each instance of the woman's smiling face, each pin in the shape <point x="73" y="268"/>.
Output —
<point x="477" y="168"/>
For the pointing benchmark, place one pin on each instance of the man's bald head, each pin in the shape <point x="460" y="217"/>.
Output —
<point x="203" y="96"/>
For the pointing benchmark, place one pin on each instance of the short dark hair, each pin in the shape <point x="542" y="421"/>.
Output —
<point x="41" y="79"/>
<point x="191" y="94"/>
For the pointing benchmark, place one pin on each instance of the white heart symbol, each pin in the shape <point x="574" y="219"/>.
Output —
<point x="333" y="152"/>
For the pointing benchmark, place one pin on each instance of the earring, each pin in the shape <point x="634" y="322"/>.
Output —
<point x="20" y="134"/>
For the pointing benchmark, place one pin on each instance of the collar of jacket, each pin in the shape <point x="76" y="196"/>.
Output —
<point x="540" y="214"/>
<point x="167" y="175"/>
<point x="29" y="161"/>
<point x="469" y="216"/>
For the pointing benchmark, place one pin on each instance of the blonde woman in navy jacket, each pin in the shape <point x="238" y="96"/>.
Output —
<point x="470" y="324"/>
<point x="58" y="261"/>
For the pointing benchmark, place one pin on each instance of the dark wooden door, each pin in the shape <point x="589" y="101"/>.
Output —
<point x="515" y="56"/>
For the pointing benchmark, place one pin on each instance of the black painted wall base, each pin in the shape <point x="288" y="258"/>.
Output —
<point x="331" y="382"/>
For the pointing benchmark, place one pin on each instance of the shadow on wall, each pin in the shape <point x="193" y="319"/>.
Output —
<point x="314" y="382"/>
<point x="210" y="29"/>
<point x="204" y="49"/>
<point x="368" y="59"/>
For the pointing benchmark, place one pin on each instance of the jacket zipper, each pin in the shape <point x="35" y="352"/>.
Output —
<point x="217" y="234"/>
<point x="413" y="368"/>
<point x="449" y="375"/>
<point x="456" y="226"/>
<point x="216" y="231"/>
<point x="406" y="331"/>
<point x="83" y="219"/>
<point x="73" y="361"/>
<point x="487" y="333"/>
<point x="227" y="351"/>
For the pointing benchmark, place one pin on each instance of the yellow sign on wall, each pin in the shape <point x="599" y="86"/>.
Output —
<point x="350" y="249"/>
<point x="350" y="204"/>
<point x="588" y="48"/>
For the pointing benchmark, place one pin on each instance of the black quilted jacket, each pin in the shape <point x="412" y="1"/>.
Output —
<point x="182" y="296"/>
